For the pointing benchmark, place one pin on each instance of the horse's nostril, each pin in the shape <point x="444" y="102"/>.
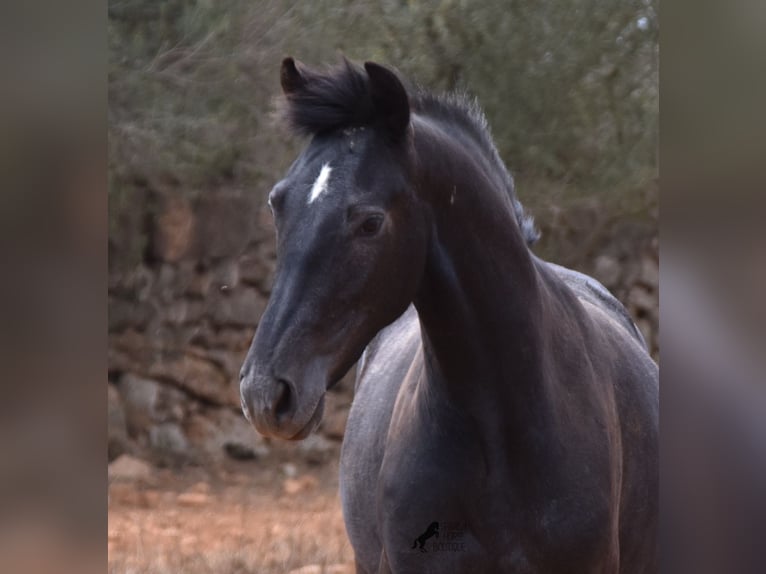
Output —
<point x="282" y="404"/>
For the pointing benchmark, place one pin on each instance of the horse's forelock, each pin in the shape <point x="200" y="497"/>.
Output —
<point x="328" y="100"/>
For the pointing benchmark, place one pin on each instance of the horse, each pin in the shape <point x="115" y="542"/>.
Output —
<point x="494" y="390"/>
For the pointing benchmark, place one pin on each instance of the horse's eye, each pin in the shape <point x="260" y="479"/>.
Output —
<point x="371" y="225"/>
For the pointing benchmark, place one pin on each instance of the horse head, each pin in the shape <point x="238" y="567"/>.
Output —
<point x="351" y="242"/>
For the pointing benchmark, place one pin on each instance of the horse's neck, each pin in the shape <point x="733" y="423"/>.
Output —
<point x="481" y="299"/>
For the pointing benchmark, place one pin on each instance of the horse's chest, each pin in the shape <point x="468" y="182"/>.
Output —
<point x="484" y="523"/>
<point x="439" y="513"/>
<point x="449" y="527"/>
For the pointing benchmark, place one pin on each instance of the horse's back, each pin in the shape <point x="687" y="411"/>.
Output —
<point x="589" y="290"/>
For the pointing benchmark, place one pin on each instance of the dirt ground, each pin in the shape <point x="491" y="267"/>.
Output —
<point x="245" y="518"/>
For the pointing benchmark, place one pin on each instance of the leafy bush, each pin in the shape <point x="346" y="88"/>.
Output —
<point x="569" y="87"/>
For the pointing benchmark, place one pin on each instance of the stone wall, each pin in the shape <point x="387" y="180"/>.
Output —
<point x="180" y="322"/>
<point x="183" y="306"/>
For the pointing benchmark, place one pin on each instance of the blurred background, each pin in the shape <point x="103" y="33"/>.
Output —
<point x="570" y="90"/>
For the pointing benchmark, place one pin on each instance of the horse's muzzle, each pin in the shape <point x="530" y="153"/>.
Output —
<point x="274" y="407"/>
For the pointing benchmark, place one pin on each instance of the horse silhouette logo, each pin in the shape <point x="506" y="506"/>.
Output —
<point x="432" y="530"/>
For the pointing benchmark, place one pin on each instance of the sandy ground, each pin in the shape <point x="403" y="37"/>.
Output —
<point x="249" y="517"/>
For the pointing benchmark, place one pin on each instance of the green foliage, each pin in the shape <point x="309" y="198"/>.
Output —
<point x="569" y="87"/>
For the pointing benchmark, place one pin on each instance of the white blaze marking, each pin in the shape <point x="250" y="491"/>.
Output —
<point x="320" y="185"/>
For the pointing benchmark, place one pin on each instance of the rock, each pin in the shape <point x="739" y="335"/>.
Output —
<point x="225" y="338"/>
<point x="169" y="443"/>
<point x="137" y="283"/>
<point x="230" y="362"/>
<point x="257" y="269"/>
<point x="194" y="371"/>
<point x="140" y="397"/>
<point x="650" y="272"/>
<point x="240" y="308"/>
<point x="267" y="252"/>
<point x="183" y="312"/>
<point x="264" y="232"/>
<point x="225" y="276"/>
<point x="171" y="405"/>
<point x="292" y="486"/>
<point x="199" y="285"/>
<point x="251" y="268"/>
<point x="148" y="401"/>
<point x="129" y="468"/>
<point x="127" y="494"/>
<point x="290" y="470"/>
<point x="340" y="569"/>
<point x="238" y="451"/>
<point x="185" y="272"/>
<point x="117" y="430"/>
<point x="127" y="219"/>
<point x="128" y="351"/>
<point x="200" y="486"/>
<point x="310" y="569"/>
<point x="173" y="228"/>
<point x="333" y="423"/>
<point x="216" y="433"/>
<point x="224" y="224"/>
<point x="123" y="493"/>
<point x="193" y="499"/>
<point x="316" y="449"/>
<point x="641" y="300"/>
<point x="167" y="287"/>
<point x="204" y="436"/>
<point x="124" y="313"/>
<point x="197" y="375"/>
<point x="607" y="270"/>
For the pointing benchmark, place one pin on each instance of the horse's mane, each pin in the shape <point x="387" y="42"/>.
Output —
<point x="339" y="97"/>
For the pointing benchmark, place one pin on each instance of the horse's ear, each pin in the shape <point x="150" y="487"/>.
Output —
<point x="389" y="98"/>
<point x="290" y="77"/>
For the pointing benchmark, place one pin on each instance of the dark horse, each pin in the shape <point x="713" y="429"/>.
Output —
<point x="496" y="390"/>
